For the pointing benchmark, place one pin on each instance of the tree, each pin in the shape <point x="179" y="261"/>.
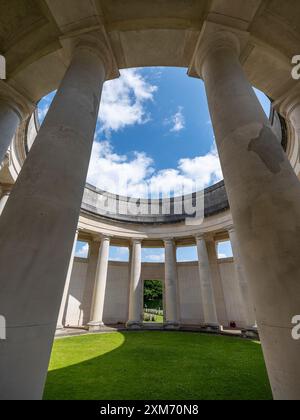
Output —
<point x="153" y="293"/>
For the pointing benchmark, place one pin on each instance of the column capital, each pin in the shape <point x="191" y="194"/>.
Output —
<point x="200" y="237"/>
<point x="101" y="238"/>
<point x="169" y="241"/>
<point x="215" y="37"/>
<point x="136" y="241"/>
<point x="230" y="229"/>
<point x="21" y="105"/>
<point x="207" y="237"/>
<point x="95" y="41"/>
<point x="105" y="238"/>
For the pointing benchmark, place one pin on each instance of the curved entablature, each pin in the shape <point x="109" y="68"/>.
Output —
<point x="211" y="201"/>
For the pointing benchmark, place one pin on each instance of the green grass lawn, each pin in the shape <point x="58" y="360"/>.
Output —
<point x="156" y="365"/>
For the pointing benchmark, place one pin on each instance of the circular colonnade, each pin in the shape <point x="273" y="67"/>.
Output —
<point x="53" y="45"/>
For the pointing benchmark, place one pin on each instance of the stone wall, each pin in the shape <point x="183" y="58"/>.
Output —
<point x="117" y="293"/>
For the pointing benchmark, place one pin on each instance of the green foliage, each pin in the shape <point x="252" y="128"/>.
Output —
<point x="153" y="290"/>
<point x="153" y="294"/>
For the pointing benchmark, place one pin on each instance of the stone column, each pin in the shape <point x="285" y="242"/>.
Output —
<point x="171" y="286"/>
<point x="61" y="316"/>
<point x="9" y="121"/>
<point x="207" y="293"/>
<point x="243" y="287"/>
<point x="4" y="196"/>
<point x="13" y="109"/>
<point x="87" y="299"/>
<point x="100" y="286"/>
<point x="264" y="196"/>
<point x="38" y="224"/>
<point x="136" y="286"/>
<point x="217" y="282"/>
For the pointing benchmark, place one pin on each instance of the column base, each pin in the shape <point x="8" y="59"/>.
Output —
<point x="95" y="326"/>
<point x="250" y="332"/>
<point x="134" y="325"/>
<point x="172" y="326"/>
<point x="60" y="327"/>
<point x="212" y="328"/>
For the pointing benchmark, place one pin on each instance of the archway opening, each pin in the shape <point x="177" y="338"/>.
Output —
<point x="153" y="302"/>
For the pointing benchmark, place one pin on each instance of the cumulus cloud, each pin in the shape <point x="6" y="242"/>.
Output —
<point x="205" y="169"/>
<point x="123" y="101"/>
<point x="119" y="174"/>
<point x="82" y="250"/>
<point x="177" y="121"/>
<point x="135" y="176"/>
<point x="156" y="257"/>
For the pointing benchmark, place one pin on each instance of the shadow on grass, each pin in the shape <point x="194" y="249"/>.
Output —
<point x="157" y="366"/>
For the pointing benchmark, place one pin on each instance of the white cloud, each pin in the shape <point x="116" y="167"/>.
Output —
<point x="42" y="112"/>
<point x="119" y="254"/>
<point x="149" y="256"/>
<point x="116" y="173"/>
<point x="222" y="256"/>
<point x="156" y="258"/>
<point x="123" y="101"/>
<point x="136" y="176"/>
<point x="177" y="121"/>
<point x="83" y="251"/>
<point x="205" y="169"/>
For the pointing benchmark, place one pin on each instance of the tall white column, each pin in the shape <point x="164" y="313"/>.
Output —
<point x="264" y="196"/>
<point x="100" y="286"/>
<point x="242" y="285"/>
<point x="217" y="282"/>
<point x="136" y="286"/>
<point x="60" y="321"/>
<point x="207" y="293"/>
<point x="171" y="286"/>
<point x="88" y="293"/>
<point x="38" y="224"/>
<point x="13" y="108"/>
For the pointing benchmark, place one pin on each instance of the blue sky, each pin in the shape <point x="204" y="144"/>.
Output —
<point x="154" y="129"/>
<point x="155" y="254"/>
